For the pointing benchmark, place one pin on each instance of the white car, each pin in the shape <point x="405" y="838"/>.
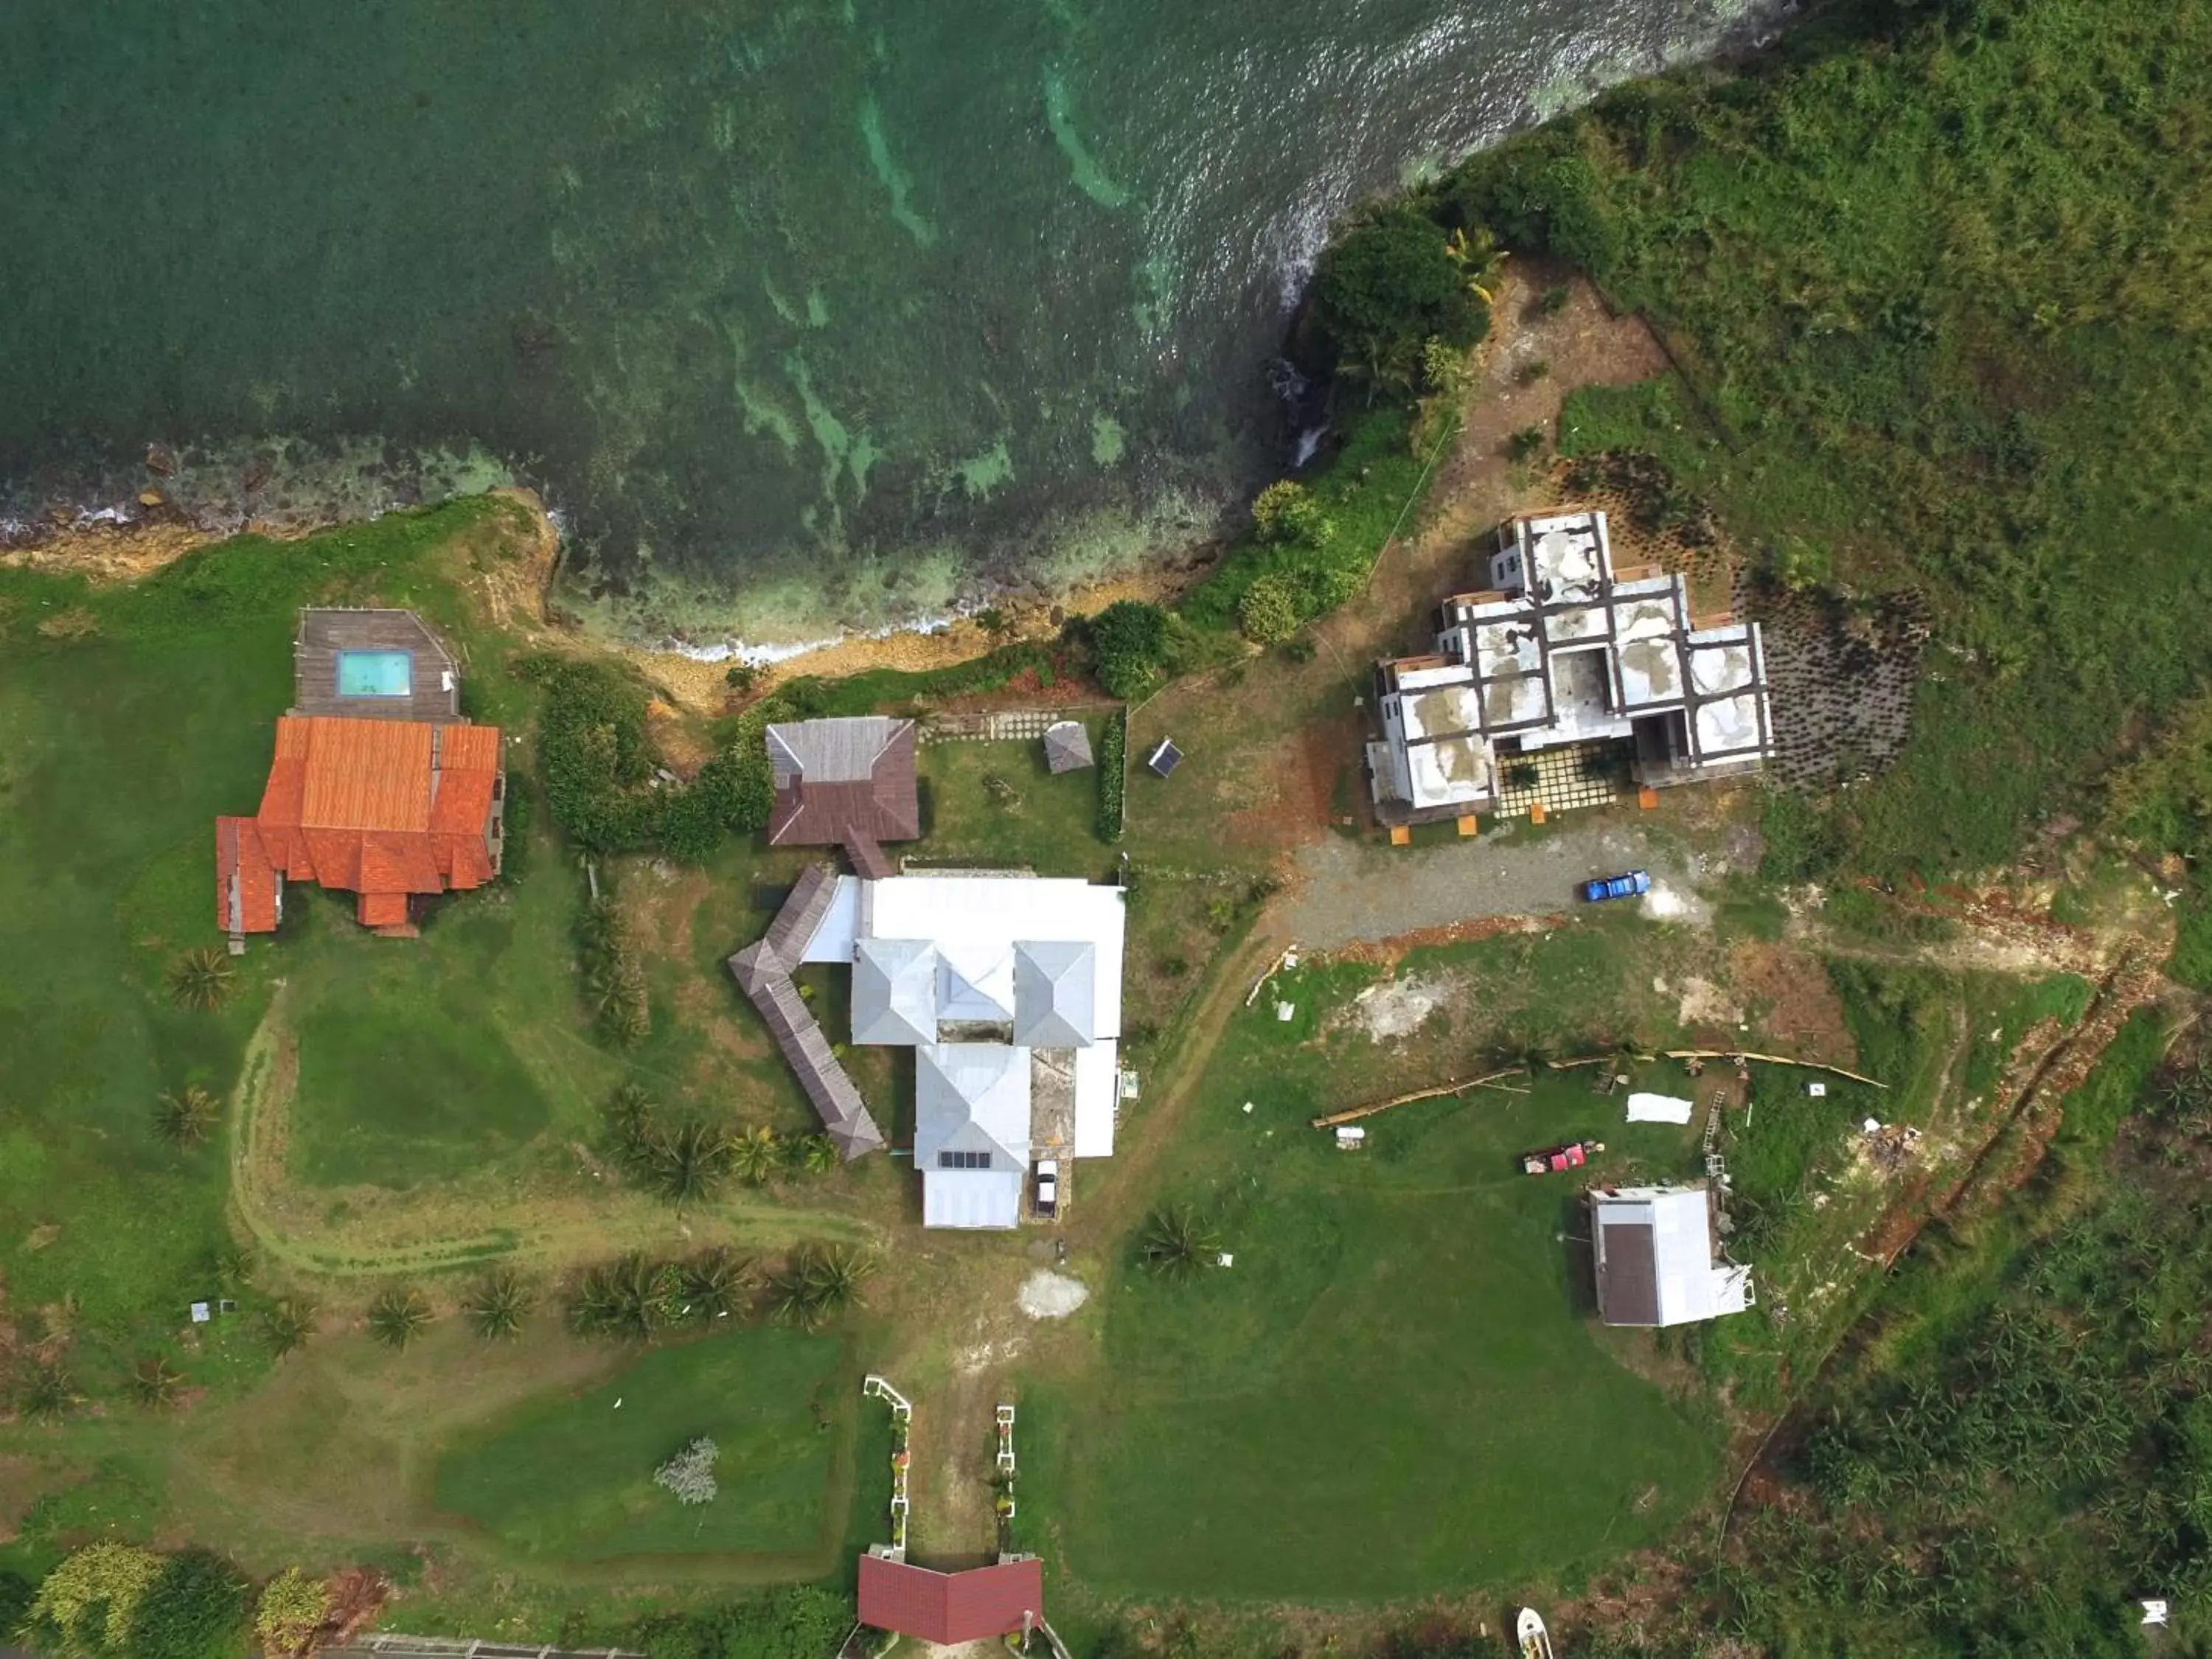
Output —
<point x="1047" y="1187"/>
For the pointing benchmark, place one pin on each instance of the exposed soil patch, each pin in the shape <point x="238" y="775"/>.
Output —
<point x="1047" y="1295"/>
<point x="1397" y="1007"/>
<point x="1793" y="1003"/>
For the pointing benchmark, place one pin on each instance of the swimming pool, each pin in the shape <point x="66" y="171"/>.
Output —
<point x="375" y="673"/>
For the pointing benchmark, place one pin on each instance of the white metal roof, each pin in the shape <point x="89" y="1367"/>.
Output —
<point x="1055" y="993"/>
<point x="1691" y="1285"/>
<point x="976" y="922"/>
<point x="972" y="1198"/>
<point x="894" y="992"/>
<point x="838" y="931"/>
<point x="1097" y="1088"/>
<point x="971" y="1097"/>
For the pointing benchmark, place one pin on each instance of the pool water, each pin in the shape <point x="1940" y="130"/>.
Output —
<point x="375" y="673"/>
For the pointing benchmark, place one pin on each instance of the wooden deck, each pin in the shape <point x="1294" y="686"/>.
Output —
<point x="435" y="682"/>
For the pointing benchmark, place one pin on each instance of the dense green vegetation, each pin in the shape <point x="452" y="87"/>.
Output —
<point x="602" y="770"/>
<point x="1936" y="274"/>
<point x="1359" y="497"/>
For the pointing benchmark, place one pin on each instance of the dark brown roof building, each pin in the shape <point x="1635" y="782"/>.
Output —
<point x="762" y="970"/>
<point x="847" y="783"/>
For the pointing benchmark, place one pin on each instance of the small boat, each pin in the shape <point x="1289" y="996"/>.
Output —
<point x="1528" y="1630"/>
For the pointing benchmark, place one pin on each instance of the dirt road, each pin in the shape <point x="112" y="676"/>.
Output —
<point x="1351" y="891"/>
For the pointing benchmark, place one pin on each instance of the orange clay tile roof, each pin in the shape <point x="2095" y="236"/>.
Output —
<point x="359" y="804"/>
<point x="245" y="878"/>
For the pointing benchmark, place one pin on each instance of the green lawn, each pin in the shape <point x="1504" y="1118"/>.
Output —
<point x="406" y="1074"/>
<point x="149" y="711"/>
<point x="1398" y="1387"/>
<point x="572" y="1480"/>
<point x="995" y="803"/>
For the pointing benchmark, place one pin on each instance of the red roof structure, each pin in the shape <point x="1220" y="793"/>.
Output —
<point x="383" y="809"/>
<point x="945" y="1607"/>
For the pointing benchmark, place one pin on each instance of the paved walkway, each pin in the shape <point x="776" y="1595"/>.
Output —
<point x="1354" y="890"/>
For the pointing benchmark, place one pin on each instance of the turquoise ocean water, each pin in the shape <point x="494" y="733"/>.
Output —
<point x="801" y="314"/>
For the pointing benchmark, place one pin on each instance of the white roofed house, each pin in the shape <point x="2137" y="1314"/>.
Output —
<point x="1008" y="988"/>
<point x="1562" y="649"/>
<point x="1658" y="1257"/>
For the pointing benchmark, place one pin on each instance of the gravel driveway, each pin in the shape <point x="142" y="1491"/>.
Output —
<point x="1351" y="891"/>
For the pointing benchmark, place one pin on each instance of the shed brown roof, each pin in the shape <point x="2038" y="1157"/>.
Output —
<point x="947" y="1608"/>
<point x="1627" y="1274"/>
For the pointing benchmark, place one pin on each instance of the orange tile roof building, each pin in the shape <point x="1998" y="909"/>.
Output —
<point x="386" y="809"/>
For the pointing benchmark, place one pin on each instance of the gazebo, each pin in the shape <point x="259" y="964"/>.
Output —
<point x="1067" y="746"/>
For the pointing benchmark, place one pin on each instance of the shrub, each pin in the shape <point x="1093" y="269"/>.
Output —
<point x="202" y="978"/>
<point x="690" y="1473"/>
<point x="1129" y="648"/>
<point x="186" y="1115"/>
<point x="89" y="1604"/>
<point x="598" y="757"/>
<point x="1385" y="286"/>
<point x="195" y="1609"/>
<point x="1113" y="779"/>
<point x="1286" y="512"/>
<point x="1268" y="612"/>
<point x="292" y="1609"/>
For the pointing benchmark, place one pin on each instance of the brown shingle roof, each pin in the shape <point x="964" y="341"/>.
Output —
<point x="836" y="779"/>
<point x="762" y="970"/>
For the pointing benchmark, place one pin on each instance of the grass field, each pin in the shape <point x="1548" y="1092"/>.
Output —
<point x="997" y="803"/>
<point x="570" y="1480"/>
<point x="1396" y="1389"/>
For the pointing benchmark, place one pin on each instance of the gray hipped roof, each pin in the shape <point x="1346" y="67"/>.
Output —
<point x="1055" y="993"/>
<point x="894" y="991"/>
<point x="972" y="1097"/>
<point x="1067" y="746"/>
<point x="831" y="750"/>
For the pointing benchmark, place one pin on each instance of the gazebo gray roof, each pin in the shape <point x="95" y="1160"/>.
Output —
<point x="1067" y="746"/>
<point x="1055" y="993"/>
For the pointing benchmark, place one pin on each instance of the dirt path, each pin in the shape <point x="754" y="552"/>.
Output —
<point x="408" y="1234"/>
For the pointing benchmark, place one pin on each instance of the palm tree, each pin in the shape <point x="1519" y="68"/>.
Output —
<point x="397" y="1316"/>
<point x="186" y="1115"/>
<point x="815" y="1154"/>
<point x="713" y="1283"/>
<point x="631" y="1298"/>
<point x="155" y="1381"/>
<point x="290" y="1321"/>
<point x="836" y="1274"/>
<point x="691" y="1163"/>
<point x="1480" y="260"/>
<point x="755" y="1154"/>
<point x="44" y="1392"/>
<point x="1178" y="1243"/>
<point x="817" y="1284"/>
<point x="496" y="1306"/>
<point x="201" y="978"/>
<point x="629" y="1115"/>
